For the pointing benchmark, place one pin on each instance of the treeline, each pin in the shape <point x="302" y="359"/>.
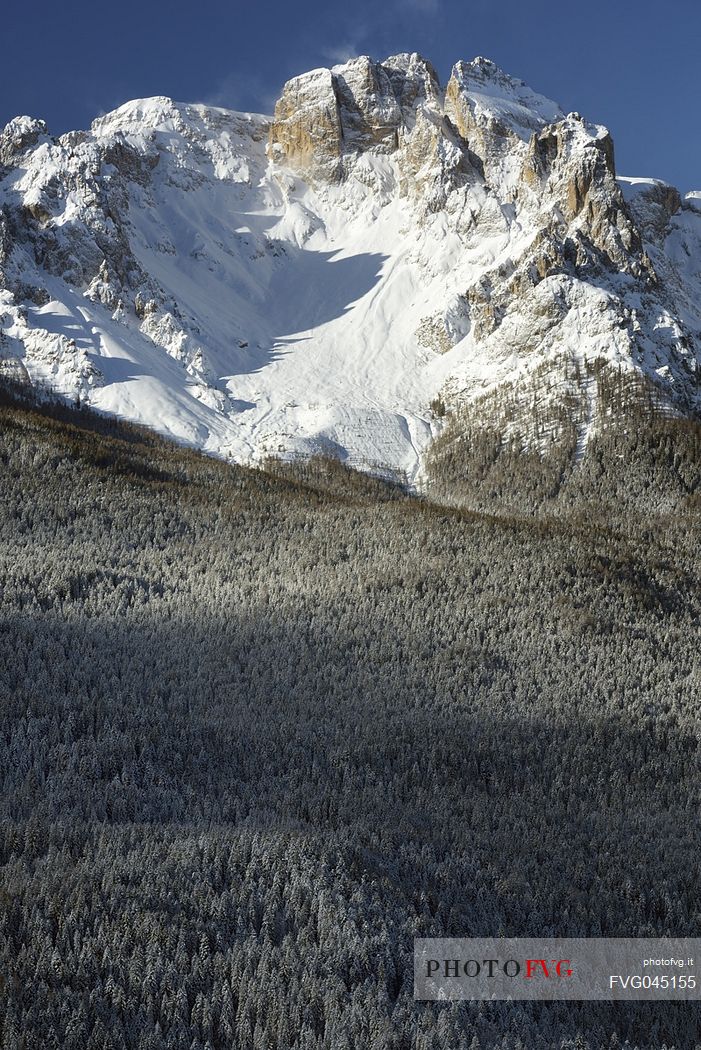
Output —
<point x="601" y="441"/>
<point x="260" y="730"/>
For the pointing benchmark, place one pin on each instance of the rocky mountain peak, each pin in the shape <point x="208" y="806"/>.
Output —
<point x="319" y="279"/>
<point x="481" y="95"/>
<point x="20" y="135"/>
<point x="326" y="118"/>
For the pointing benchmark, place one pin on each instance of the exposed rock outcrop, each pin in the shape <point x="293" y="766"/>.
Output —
<point x="326" y="119"/>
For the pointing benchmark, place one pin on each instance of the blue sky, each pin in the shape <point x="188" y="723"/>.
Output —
<point x="633" y="66"/>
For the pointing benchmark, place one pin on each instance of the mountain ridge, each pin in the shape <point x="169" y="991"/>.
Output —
<point x="351" y="275"/>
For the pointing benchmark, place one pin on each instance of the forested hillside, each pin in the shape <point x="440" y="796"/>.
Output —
<point x="260" y="730"/>
<point x="640" y="460"/>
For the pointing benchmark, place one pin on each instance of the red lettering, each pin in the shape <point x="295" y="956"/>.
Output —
<point x="534" y="964"/>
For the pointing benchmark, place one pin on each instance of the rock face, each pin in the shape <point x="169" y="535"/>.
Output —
<point x="315" y="281"/>
<point x="496" y="115"/>
<point x="327" y="119"/>
<point x="306" y="132"/>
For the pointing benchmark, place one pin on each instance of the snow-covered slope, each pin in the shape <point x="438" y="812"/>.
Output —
<point x="330" y="278"/>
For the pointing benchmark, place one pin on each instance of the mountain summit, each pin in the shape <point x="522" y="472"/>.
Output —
<point x="383" y="271"/>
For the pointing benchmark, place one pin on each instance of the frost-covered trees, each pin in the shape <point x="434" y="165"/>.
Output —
<point x="259" y="731"/>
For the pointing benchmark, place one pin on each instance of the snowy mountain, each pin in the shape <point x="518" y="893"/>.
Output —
<point x="383" y="261"/>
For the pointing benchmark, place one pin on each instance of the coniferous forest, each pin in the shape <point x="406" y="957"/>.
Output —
<point x="260" y="729"/>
